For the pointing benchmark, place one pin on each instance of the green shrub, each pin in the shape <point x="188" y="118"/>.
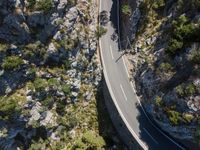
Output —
<point x="190" y="90"/>
<point x="174" y="46"/>
<point x="40" y="84"/>
<point x="126" y="9"/>
<point x="71" y="2"/>
<point x="31" y="71"/>
<point x="174" y="117"/>
<point x="165" y="67"/>
<point x="66" y="89"/>
<point x="72" y="122"/>
<point x="196" y="57"/>
<point x="187" y="118"/>
<point x="45" y="5"/>
<point x="186" y="90"/>
<point x="179" y="22"/>
<point x="8" y="108"/>
<point x="67" y="64"/>
<point x="47" y="102"/>
<point x="67" y="43"/>
<point x="31" y="3"/>
<point x="79" y="145"/>
<point x="12" y="62"/>
<point x="3" y="47"/>
<point x="158" y="4"/>
<point x="183" y="32"/>
<point x="100" y="31"/>
<point x="180" y="90"/>
<point x="60" y="106"/>
<point x="158" y="101"/>
<point x="53" y="82"/>
<point x="88" y="141"/>
<point x="94" y="142"/>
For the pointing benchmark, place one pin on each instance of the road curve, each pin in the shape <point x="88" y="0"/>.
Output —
<point x="121" y="91"/>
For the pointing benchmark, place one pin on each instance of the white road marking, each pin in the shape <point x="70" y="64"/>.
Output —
<point x="111" y="52"/>
<point x="150" y="136"/>
<point x="144" y="146"/>
<point x="99" y="7"/>
<point x="133" y="88"/>
<point x="123" y="92"/>
<point x="125" y="67"/>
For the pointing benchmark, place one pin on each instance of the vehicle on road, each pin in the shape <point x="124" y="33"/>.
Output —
<point x="114" y="36"/>
<point x="104" y="18"/>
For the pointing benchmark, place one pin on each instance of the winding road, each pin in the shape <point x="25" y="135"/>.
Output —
<point x="122" y="91"/>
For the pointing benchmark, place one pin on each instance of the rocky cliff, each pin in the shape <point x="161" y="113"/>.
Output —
<point x="49" y="75"/>
<point x="165" y="53"/>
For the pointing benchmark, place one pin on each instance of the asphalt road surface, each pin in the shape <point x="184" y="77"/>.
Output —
<point x="122" y="93"/>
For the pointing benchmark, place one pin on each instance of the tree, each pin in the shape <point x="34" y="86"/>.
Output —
<point x="8" y="107"/>
<point x="190" y="90"/>
<point x="158" y="101"/>
<point x="40" y="84"/>
<point x="44" y="5"/>
<point x="12" y="62"/>
<point x="100" y="31"/>
<point x="173" y="46"/>
<point x="93" y="141"/>
<point x="195" y="58"/>
<point x="158" y="4"/>
<point x="174" y="117"/>
<point x="66" y="89"/>
<point x="31" y="3"/>
<point x="126" y="9"/>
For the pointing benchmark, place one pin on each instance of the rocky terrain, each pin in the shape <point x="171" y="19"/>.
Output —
<point x="165" y="54"/>
<point x="49" y="76"/>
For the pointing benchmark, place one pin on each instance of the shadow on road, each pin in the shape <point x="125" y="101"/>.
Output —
<point x="106" y="128"/>
<point x="114" y="20"/>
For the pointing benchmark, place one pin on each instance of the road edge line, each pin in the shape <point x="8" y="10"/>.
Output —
<point x="117" y="106"/>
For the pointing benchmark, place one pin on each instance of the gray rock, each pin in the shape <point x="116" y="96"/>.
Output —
<point x="60" y="93"/>
<point x="1" y="72"/>
<point x="62" y="4"/>
<point x="196" y="82"/>
<point x="35" y="112"/>
<point x="72" y="73"/>
<point x="150" y="40"/>
<point x="70" y="18"/>
<point x="76" y="84"/>
<point x="74" y="64"/>
<point x="88" y="95"/>
<point x="29" y="92"/>
<point x="55" y="137"/>
<point x="74" y="94"/>
<point x="29" y="98"/>
<point x="194" y="103"/>
<point x="51" y="48"/>
<point x="8" y="90"/>
<point x="72" y="14"/>
<point x="58" y="36"/>
<point x="48" y="118"/>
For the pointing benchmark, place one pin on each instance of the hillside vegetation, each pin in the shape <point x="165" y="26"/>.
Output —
<point x="165" y="46"/>
<point x="50" y="93"/>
